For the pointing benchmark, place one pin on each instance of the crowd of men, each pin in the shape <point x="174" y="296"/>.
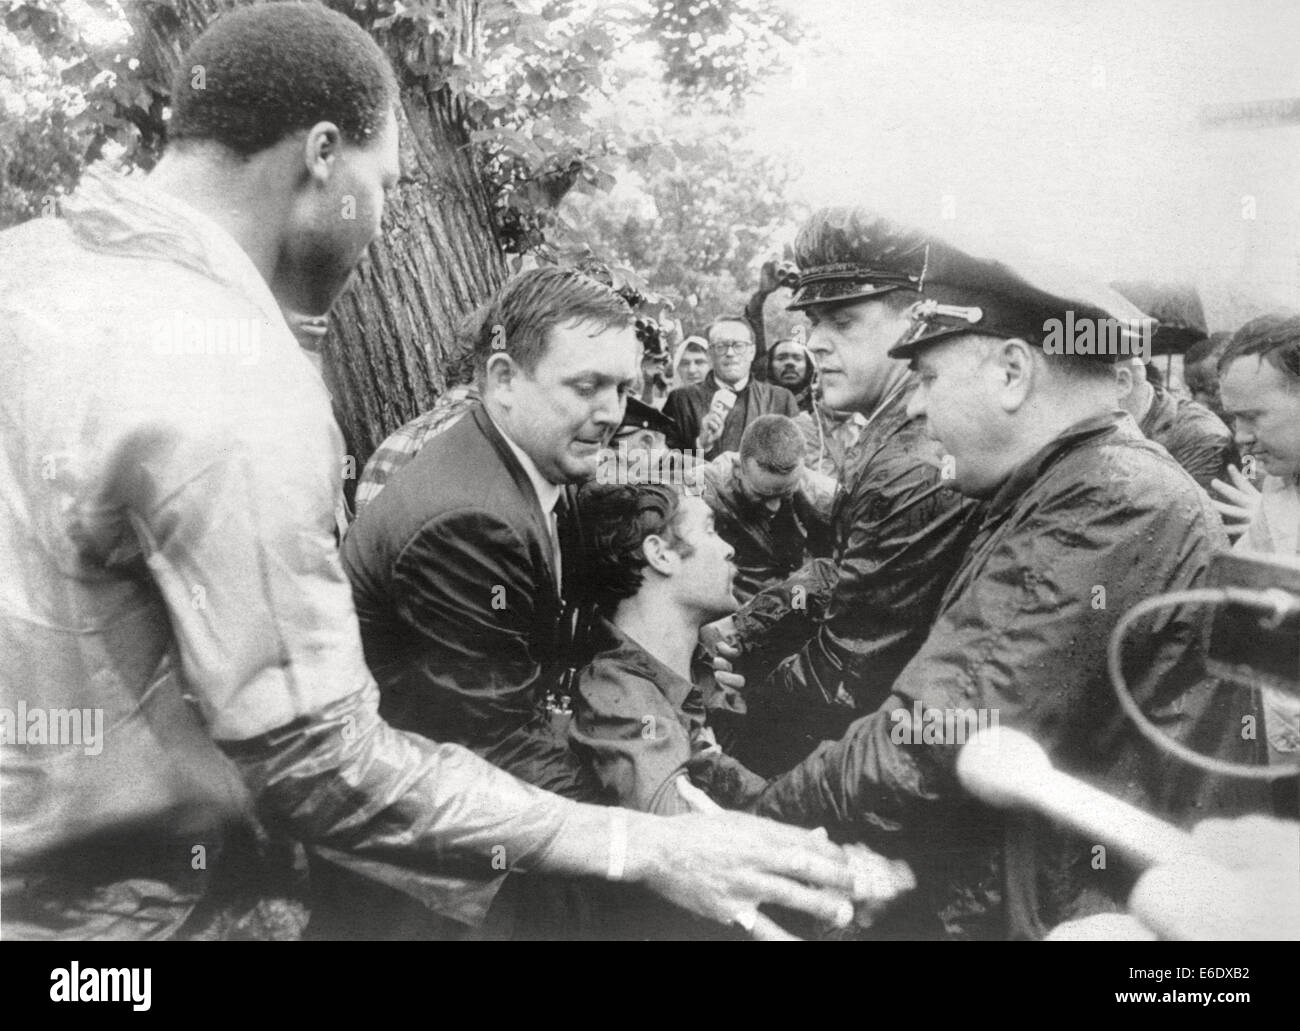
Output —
<point x="583" y="664"/>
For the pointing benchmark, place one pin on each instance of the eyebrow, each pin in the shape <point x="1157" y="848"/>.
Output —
<point x="598" y="378"/>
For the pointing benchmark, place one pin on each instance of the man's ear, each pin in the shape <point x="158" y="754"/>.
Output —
<point x="1016" y="372"/>
<point x="499" y="376"/>
<point x="1123" y="382"/>
<point x="320" y="150"/>
<point x="659" y="555"/>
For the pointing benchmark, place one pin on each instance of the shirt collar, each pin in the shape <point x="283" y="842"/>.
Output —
<point x="548" y="493"/>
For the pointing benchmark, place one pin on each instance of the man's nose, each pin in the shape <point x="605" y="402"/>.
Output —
<point x="1243" y="434"/>
<point x="609" y="408"/>
<point x="817" y="342"/>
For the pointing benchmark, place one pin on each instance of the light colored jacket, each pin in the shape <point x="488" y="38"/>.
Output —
<point x="168" y="481"/>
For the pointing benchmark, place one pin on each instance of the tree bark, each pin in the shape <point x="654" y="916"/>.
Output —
<point x="393" y="333"/>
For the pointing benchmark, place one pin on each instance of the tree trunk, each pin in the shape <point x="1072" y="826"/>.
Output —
<point x="392" y="334"/>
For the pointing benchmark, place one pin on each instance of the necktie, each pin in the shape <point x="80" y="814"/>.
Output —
<point x="554" y="523"/>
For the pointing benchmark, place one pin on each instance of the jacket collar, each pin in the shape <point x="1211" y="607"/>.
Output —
<point x="1028" y="473"/>
<point x="615" y="646"/>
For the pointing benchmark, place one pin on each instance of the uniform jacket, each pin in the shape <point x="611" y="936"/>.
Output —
<point x="901" y="531"/>
<point x="687" y="407"/>
<point x="641" y="726"/>
<point x="451" y="570"/>
<point x="1099" y="520"/>
<point x="168" y="482"/>
<point x="1194" y="435"/>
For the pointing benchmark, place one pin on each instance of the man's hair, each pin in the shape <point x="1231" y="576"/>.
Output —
<point x="708" y="331"/>
<point x="1208" y="349"/>
<point x="519" y="317"/>
<point x="1273" y="338"/>
<point x="261" y="73"/>
<point x="618" y="517"/>
<point x="774" y="442"/>
<point x="771" y="360"/>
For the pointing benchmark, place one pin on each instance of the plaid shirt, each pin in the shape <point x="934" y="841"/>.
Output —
<point x="404" y="444"/>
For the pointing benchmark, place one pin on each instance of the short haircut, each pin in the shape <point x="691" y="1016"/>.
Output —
<point x="261" y="73"/>
<point x="519" y="317"/>
<point x="774" y="442"/>
<point x="708" y="332"/>
<point x="618" y="517"/>
<point x="1273" y="338"/>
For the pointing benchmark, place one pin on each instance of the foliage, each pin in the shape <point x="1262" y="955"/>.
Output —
<point x="540" y="86"/>
<point x="695" y="227"/>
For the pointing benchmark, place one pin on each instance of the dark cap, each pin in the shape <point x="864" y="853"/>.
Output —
<point x="849" y="254"/>
<point x="1045" y="305"/>
<point x="640" y="416"/>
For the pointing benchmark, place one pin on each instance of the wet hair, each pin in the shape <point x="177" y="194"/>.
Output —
<point x="1274" y="339"/>
<point x="261" y="73"/>
<point x="618" y="517"/>
<point x="775" y="443"/>
<point x="519" y="317"/>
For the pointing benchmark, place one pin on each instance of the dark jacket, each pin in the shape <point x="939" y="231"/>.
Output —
<point x="1194" y="435"/>
<point x="901" y="531"/>
<point x="687" y="407"/>
<point x="641" y="726"/>
<point x="1097" y="521"/>
<point x="769" y="545"/>
<point x="452" y="576"/>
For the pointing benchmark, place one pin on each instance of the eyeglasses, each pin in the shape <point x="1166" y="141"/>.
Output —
<point x="730" y="346"/>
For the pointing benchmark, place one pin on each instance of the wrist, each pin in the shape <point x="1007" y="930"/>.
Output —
<point x="643" y="860"/>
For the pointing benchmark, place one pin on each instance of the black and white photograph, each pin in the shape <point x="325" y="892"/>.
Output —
<point x="673" y="470"/>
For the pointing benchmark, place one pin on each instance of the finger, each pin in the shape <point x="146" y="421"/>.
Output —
<point x="727" y="650"/>
<point x="1240" y="478"/>
<point x="733" y="681"/>
<point x="821" y="864"/>
<point x="828" y="907"/>
<point x="767" y="930"/>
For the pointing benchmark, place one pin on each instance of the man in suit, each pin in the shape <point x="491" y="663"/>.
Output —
<point x="704" y="421"/>
<point x="456" y="567"/>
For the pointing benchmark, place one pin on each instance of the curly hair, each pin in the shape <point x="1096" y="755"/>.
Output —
<point x="618" y="518"/>
<point x="259" y="74"/>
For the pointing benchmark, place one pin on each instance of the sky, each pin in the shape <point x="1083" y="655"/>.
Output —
<point x="1059" y="128"/>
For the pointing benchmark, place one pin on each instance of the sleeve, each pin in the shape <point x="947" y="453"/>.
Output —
<point x="632" y="739"/>
<point x="468" y="585"/>
<point x="239" y="540"/>
<point x="1023" y="645"/>
<point x="1203" y="446"/>
<point x="679" y="409"/>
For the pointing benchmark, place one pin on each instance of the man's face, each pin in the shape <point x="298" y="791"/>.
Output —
<point x="956" y="394"/>
<point x="764" y="488"/>
<point x="732" y="346"/>
<point x="705" y="578"/>
<point x="1265" y="404"/>
<point x="335" y="223"/>
<point x="693" y="367"/>
<point x="571" y="406"/>
<point x="789" y="365"/>
<point x="850" y="342"/>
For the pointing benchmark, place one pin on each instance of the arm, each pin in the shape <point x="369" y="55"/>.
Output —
<point x="471" y="588"/>
<point x="1023" y="639"/>
<point x="270" y="652"/>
